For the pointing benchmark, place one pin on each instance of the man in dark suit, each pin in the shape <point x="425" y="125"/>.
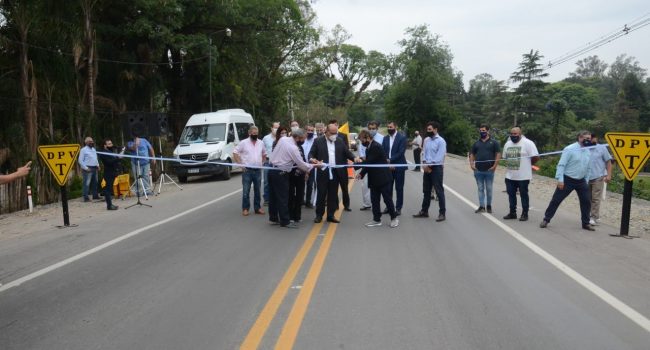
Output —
<point x="331" y="150"/>
<point x="343" y="183"/>
<point x="379" y="180"/>
<point x="395" y="146"/>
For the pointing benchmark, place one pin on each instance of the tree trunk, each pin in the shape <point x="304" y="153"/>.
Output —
<point x="89" y="43"/>
<point x="28" y="86"/>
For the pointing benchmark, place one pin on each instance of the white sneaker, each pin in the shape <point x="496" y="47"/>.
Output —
<point x="373" y="224"/>
<point x="592" y="222"/>
<point x="394" y="223"/>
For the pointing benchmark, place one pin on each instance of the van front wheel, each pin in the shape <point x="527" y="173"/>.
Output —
<point x="226" y="172"/>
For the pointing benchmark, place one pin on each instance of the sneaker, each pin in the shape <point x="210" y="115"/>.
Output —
<point x="374" y="223"/>
<point x="523" y="217"/>
<point x="543" y="224"/>
<point x="489" y="209"/>
<point x="394" y="223"/>
<point x="290" y="225"/>
<point x="510" y="216"/>
<point x="479" y="210"/>
<point x="592" y="222"/>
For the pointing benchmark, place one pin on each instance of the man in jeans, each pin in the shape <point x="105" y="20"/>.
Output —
<point x="251" y="153"/>
<point x="89" y="168"/>
<point x="520" y="154"/>
<point x="600" y="172"/>
<point x="483" y="159"/>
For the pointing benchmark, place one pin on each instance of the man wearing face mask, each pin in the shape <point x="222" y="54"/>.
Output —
<point x="294" y="125"/>
<point x="395" y="146"/>
<point x="306" y="147"/>
<point x="331" y="150"/>
<point x="483" y="159"/>
<point x="373" y="130"/>
<point x="251" y="152"/>
<point x="268" y="145"/>
<point x="111" y="170"/>
<point x="573" y="174"/>
<point x="520" y="154"/>
<point x="434" y="152"/>
<point x="89" y="169"/>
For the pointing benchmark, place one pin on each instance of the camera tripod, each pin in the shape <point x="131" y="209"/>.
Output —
<point x="139" y="182"/>
<point x="164" y="177"/>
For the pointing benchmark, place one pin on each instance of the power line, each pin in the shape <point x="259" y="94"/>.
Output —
<point x="636" y="24"/>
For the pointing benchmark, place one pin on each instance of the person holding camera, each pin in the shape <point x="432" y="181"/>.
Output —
<point x="111" y="170"/>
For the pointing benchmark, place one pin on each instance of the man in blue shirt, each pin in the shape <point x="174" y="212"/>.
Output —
<point x="572" y="174"/>
<point x="89" y="169"/>
<point x="142" y="148"/>
<point x="434" y="151"/>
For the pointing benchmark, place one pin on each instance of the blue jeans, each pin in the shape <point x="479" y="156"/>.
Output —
<point x="511" y="188"/>
<point x="484" y="180"/>
<point x="265" y="174"/>
<point x="144" y="172"/>
<point x="254" y="177"/>
<point x="89" y="182"/>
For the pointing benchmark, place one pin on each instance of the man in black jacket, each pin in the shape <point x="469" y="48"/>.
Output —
<point x="111" y="170"/>
<point x="331" y="150"/>
<point x="379" y="180"/>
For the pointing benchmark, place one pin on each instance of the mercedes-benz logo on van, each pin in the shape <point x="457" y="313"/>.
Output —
<point x="193" y="157"/>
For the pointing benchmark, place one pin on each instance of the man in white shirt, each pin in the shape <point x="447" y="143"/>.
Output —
<point x="520" y="154"/>
<point x="306" y="147"/>
<point x="251" y="152"/>
<point x="268" y="144"/>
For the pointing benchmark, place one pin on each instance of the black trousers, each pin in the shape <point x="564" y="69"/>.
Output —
<point x="279" y="196"/>
<point x="433" y="180"/>
<point x="343" y="182"/>
<point x="326" y="190"/>
<point x="386" y="192"/>
<point x="416" y="157"/>
<point x="309" y="186"/>
<point x="108" y="190"/>
<point x="584" y="196"/>
<point x="296" y="195"/>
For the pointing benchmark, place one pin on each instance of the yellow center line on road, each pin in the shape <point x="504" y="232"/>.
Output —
<point x="294" y="321"/>
<point x="261" y="325"/>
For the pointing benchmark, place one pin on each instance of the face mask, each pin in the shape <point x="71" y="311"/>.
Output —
<point x="372" y="132"/>
<point x="587" y="143"/>
<point x="391" y="131"/>
<point x="91" y="144"/>
<point x="366" y="143"/>
<point x="253" y="137"/>
<point x="300" y="143"/>
<point x="274" y="130"/>
<point x="310" y="135"/>
<point x="483" y="134"/>
<point x="430" y="134"/>
<point x="111" y="148"/>
<point x="294" y="128"/>
<point x="514" y="139"/>
<point x="333" y="137"/>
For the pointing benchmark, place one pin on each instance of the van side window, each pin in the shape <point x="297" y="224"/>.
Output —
<point x="242" y="130"/>
<point x="231" y="132"/>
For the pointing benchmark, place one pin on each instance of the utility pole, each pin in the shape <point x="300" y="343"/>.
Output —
<point x="290" y="103"/>
<point x="210" y="71"/>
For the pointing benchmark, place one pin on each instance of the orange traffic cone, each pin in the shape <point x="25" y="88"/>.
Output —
<point x="350" y="171"/>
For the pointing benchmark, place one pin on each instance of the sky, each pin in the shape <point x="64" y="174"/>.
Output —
<point x="491" y="36"/>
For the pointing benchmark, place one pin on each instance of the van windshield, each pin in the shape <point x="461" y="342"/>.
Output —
<point x="204" y="133"/>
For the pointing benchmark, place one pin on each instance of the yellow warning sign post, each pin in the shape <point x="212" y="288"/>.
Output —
<point x="631" y="151"/>
<point x="60" y="159"/>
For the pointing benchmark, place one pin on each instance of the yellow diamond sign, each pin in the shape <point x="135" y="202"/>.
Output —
<point x="60" y="159"/>
<point x="631" y="151"/>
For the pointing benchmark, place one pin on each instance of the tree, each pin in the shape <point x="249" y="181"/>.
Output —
<point x="590" y="67"/>
<point x="528" y="95"/>
<point x="624" y="65"/>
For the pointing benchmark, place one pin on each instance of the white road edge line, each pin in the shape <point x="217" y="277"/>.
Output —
<point x="82" y="255"/>
<point x="614" y="302"/>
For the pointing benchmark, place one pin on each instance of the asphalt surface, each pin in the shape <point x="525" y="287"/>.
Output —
<point x="212" y="279"/>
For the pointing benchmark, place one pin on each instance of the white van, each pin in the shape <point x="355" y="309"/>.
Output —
<point x="210" y="137"/>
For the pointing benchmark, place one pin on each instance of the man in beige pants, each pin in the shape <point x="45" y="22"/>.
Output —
<point x="600" y="172"/>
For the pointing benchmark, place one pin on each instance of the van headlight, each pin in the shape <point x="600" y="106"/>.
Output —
<point x="175" y="153"/>
<point x="214" y="155"/>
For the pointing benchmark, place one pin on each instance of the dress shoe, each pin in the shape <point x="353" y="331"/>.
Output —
<point x="365" y="208"/>
<point x="421" y="215"/>
<point x="113" y="207"/>
<point x="510" y="216"/>
<point x="489" y="209"/>
<point x="398" y="212"/>
<point x="259" y="211"/>
<point x="347" y="209"/>
<point x="543" y="224"/>
<point x="309" y="205"/>
<point x="318" y="220"/>
<point x="244" y="212"/>
<point x="588" y="228"/>
<point x="480" y="210"/>
<point x="523" y="217"/>
<point x="333" y="220"/>
<point x="441" y="217"/>
<point x="373" y="224"/>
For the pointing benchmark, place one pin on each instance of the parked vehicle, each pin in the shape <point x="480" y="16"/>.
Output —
<point x="208" y="138"/>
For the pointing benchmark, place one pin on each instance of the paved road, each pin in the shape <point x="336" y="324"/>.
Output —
<point x="208" y="278"/>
